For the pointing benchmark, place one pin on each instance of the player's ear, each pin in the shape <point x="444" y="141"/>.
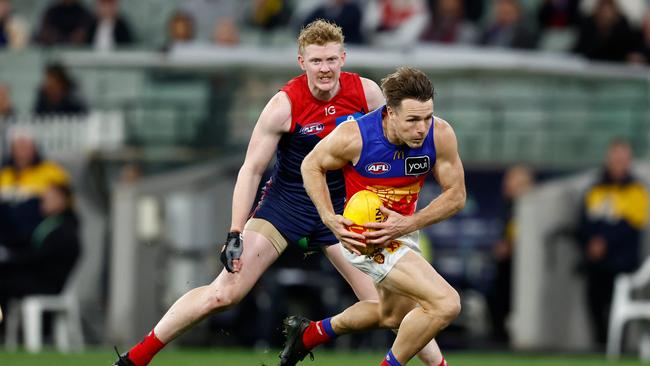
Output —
<point x="390" y="111"/>
<point x="301" y="62"/>
<point x="343" y="55"/>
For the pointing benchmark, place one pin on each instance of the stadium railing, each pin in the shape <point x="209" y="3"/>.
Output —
<point x="61" y="134"/>
<point x="506" y="106"/>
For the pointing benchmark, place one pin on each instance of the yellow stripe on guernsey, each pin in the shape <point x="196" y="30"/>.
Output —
<point x="397" y="196"/>
<point x="31" y="182"/>
<point x="613" y="203"/>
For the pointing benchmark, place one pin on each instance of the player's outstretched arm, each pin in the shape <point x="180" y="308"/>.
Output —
<point x="448" y="171"/>
<point x="340" y="147"/>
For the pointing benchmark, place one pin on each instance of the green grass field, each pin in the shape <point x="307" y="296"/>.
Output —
<point x="258" y="358"/>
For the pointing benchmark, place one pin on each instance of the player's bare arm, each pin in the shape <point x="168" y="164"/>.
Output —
<point x="342" y="146"/>
<point x="374" y="96"/>
<point x="448" y="171"/>
<point x="274" y="120"/>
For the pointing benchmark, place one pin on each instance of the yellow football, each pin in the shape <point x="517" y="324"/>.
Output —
<point x="362" y="208"/>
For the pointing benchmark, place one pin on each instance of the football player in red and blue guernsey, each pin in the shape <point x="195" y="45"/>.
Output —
<point x="302" y="113"/>
<point x="390" y="151"/>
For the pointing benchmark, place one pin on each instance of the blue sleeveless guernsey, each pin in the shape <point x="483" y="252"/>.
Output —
<point x="395" y="172"/>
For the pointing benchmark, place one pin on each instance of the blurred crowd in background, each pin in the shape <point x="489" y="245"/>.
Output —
<point x="601" y="30"/>
<point x="607" y="30"/>
<point x="37" y="218"/>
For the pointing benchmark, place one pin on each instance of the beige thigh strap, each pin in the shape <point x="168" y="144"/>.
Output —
<point x="269" y="231"/>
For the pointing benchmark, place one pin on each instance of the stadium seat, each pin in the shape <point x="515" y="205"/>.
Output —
<point x="625" y="307"/>
<point x="68" y="334"/>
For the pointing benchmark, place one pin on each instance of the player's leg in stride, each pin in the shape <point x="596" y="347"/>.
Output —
<point x="364" y="287"/>
<point x="420" y="308"/>
<point x="227" y="290"/>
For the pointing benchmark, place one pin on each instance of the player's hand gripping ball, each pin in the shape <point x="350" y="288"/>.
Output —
<point x="362" y="208"/>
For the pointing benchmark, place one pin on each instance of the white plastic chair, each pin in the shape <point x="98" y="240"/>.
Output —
<point x="625" y="308"/>
<point x="68" y="334"/>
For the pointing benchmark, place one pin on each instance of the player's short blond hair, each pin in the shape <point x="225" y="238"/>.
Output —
<point x="319" y="32"/>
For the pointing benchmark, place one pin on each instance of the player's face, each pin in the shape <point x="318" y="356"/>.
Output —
<point x="322" y="64"/>
<point x="411" y="121"/>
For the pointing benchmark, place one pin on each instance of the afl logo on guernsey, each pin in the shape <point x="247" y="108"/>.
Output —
<point x="312" y="128"/>
<point x="416" y="165"/>
<point x="378" y="168"/>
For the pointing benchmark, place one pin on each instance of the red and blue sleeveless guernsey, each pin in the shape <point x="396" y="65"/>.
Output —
<point x="284" y="202"/>
<point x="395" y="172"/>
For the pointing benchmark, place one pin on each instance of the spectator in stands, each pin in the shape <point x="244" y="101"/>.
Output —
<point x="225" y="33"/>
<point x="6" y="105"/>
<point x="632" y="10"/>
<point x="57" y="93"/>
<point x="108" y="28"/>
<point x="613" y="215"/>
<point x="181" y="29"/>
<point x="472" y="9"/>
<point x="270" y="14"/>
<point x="448" y="24"/>
<point x="508" y="28"/>
<point x="44" y="263"/>
<point x="641" y="47"/>
<point x="130" y="173"/>
<point x="345" y="13"/>
<point x="517" y="181"/>
<point x="558" y="14"/>
<point x="24" y="176"/>
<point x="65" y="23"/>
<point x="208" y="15"/>
<point x="13" y="29"/>
<point x="606" y="35"/>
<point x="394" y="23"/>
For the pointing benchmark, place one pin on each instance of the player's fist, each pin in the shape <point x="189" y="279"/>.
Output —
<point x="231" y="251"/>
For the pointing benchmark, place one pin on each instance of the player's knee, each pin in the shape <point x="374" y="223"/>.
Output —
<point x="449" y="307"/>
<point x="444" y="308"/>
<point x="392" y="321"/>
<point x="221" y="299"/>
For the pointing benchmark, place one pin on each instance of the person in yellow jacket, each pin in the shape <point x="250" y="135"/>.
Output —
<point x="24" y="177"/>
<point x="613" y="216"/>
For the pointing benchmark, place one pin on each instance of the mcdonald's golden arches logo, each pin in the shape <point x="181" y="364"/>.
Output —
<point x="399" y="154"/>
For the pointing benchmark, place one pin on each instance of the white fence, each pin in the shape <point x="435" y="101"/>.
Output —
<point x="99" y="130"/>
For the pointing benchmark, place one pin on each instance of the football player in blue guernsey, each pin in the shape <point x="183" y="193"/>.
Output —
<point x="303" y="112"/>
<point x="389" y="151"/>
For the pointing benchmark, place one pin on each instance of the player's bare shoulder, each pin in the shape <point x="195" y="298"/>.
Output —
<point x="374" y="95"/>
<point x="276" y="116"/>
<point x="346" y="140"/>
<point x="444" y="137"/>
